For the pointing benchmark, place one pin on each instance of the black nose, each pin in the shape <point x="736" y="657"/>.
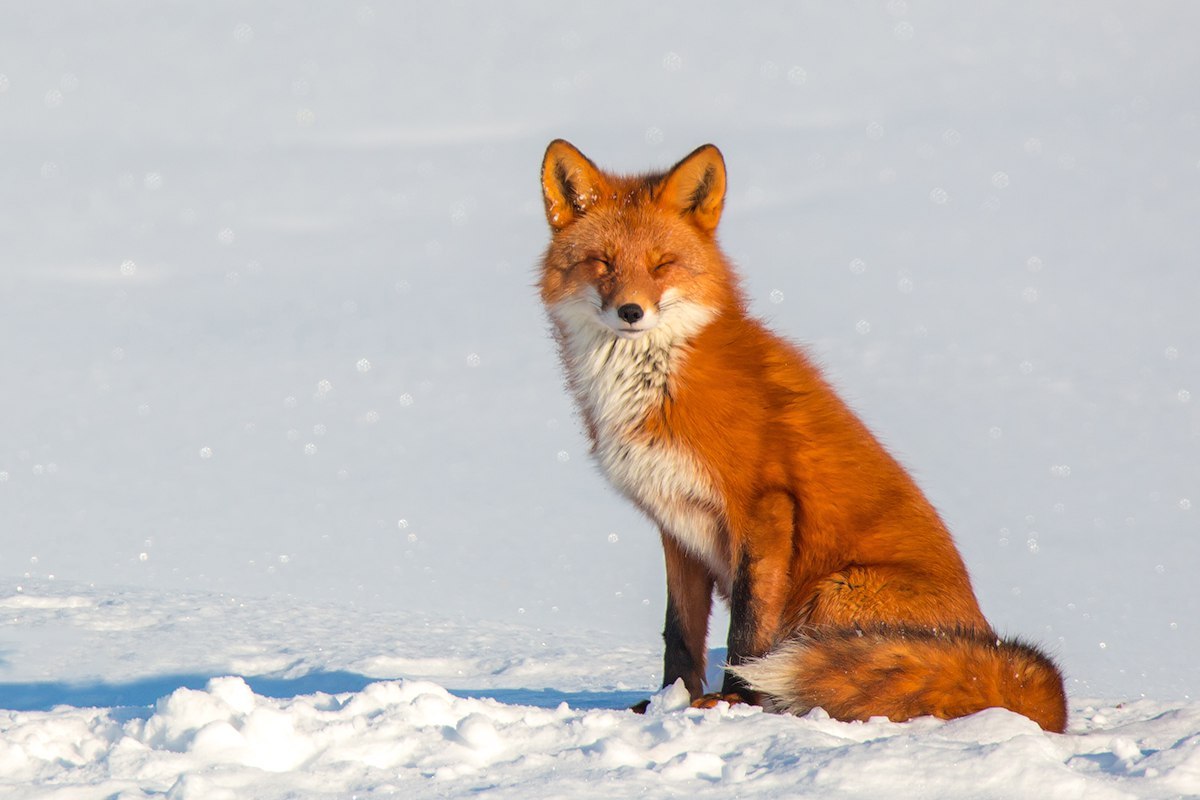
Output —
<point x="630" y="312"/>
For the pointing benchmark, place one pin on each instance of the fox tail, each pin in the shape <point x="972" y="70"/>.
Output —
<point x="901" y="673"/>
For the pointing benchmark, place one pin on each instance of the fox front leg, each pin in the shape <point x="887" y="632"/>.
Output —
<point x="685" y="632"/>
<point x="746" y="641"/>
<point x="758" y="594"/>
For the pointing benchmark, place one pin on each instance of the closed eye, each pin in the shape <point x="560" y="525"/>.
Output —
<point x="664" y="265"/>
<point x="601" y="263"/>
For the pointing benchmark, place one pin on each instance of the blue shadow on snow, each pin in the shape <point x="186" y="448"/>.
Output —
<point x="142" y="693"/>
<point x="145" y="691"/>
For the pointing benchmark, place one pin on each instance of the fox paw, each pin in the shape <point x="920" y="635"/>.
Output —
<point x="711" y="699"/>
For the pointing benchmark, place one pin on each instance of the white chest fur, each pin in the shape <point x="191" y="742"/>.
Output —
<point x="618" y="383"/>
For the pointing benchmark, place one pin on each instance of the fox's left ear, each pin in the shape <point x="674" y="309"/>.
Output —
<point x="696" y="187"/>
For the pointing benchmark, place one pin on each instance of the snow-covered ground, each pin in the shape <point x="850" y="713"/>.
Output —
<point x="163" y="715"/>
<point x="280" y="403"/>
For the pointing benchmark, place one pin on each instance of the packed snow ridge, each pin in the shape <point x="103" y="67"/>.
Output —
<point x="217" y="737"/>
<point x="416" y="739"/>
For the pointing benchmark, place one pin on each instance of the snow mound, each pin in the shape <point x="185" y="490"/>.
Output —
<point x="417" y="739"/>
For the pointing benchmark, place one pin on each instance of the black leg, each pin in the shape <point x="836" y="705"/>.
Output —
<point x="743" y="628"/>
<point x="678" y="660"/>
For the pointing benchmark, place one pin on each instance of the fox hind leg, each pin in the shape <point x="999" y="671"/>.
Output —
<point x="890" y="594"/>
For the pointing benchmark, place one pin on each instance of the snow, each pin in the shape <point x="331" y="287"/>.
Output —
<point x="322" y="728"/>
<point x="293" y="500"/>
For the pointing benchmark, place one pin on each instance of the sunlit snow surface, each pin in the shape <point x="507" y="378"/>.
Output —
<point x="279" y="399"/>
<point x="308" y="721"/>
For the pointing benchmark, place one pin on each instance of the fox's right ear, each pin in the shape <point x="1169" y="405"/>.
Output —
<point x="570" y="184"/>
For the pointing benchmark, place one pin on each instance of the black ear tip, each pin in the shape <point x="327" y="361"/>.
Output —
<point x="712" y="150"/>
<point x="704" y="153"/>
<point x="560" y="146"/>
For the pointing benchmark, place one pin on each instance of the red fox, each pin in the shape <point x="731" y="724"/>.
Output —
<point x="845" y="589"/>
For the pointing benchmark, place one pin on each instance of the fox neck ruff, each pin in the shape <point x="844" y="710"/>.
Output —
<point x="619" y="383"/>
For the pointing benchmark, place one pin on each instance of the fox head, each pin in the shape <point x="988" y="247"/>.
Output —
<point x="629" y="256"/>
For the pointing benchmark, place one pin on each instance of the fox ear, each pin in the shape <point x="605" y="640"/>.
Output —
<point x="570" y="184"/>
<point x="696" y="186"/>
